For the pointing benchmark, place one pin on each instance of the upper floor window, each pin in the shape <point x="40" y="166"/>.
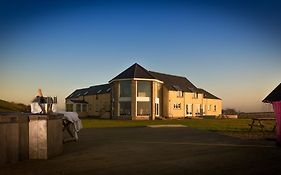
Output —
<point x="144" y="88"/>
<point x="159" y="90"/>
<point x="195" y="95"/>
<point x="179" y="94"/>
<point x="125" y="88"/>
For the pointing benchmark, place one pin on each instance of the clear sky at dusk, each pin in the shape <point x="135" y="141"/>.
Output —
<point x="230" y="48"/>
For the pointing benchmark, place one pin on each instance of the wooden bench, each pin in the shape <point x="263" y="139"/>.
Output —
<point x="257" y="122"/>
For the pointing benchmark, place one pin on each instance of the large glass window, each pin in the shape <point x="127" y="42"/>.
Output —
<point x="125" y="88"/>
<point x="144" y="108"/>
<point x="125" y="108"/>
<point x="144" y="88"/>
<point x="158" y="95"/>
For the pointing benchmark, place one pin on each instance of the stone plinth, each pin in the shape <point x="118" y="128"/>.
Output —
<point x="45" y="136"/>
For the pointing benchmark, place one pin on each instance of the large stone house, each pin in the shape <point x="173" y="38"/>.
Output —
<point x="137" y="93"/>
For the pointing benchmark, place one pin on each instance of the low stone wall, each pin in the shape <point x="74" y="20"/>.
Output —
<point x="24" y="136"/>
<point x="13" y="138"/>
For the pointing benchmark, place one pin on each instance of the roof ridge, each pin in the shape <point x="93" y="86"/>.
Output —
<point x="135" y="65"/>
<point x="168" y="74"/>
<point x="99" y="85"/>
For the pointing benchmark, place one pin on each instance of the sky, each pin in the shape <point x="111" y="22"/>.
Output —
<point x="230" y="48"/>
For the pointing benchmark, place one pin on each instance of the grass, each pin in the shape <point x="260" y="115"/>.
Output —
<point x="218" y="125"/>
<point x="12" y="107"/>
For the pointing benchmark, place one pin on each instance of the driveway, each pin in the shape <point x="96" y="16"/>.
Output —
<point x="144" y="150"/>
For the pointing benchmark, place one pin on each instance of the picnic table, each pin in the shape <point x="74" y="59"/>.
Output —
<point x="257" y="122"/>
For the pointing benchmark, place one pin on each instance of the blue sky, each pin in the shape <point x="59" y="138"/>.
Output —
<point x="230" y="48"/>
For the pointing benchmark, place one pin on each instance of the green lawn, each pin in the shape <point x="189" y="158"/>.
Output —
<point x="220" y="125"/>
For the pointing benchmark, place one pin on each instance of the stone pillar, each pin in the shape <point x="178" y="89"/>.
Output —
<point x="134" y="99"/>
<point x="45" y="136"/>
<point x="115" y="95"/>
<point x="153" y="97"/>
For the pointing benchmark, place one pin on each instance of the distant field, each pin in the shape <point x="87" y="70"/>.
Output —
<point x="220" y="125"/>
<point x="12" y="107"/>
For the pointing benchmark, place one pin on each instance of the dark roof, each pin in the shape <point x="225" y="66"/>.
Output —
<point x="99" y="89"/>
<point x="93" y="90"/>
<point x="135" y="71"/>
<point x="175" y="83"/>
<point x="77" y="93"/>
<point x="78" y="101"/>
<point x="275" y="95"/>
<point x="207" y="94"/>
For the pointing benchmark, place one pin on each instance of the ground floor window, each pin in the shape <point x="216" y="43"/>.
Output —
<point x="84" y="107"/>
<point x="143" y="108"/>
<point x="78" y="107"/>
<point x="69" y="107"/>
<point x="125" y="108"/>
<point x="188" y="109"/>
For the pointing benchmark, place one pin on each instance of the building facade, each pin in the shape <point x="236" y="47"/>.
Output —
<point x="139" y="94"/>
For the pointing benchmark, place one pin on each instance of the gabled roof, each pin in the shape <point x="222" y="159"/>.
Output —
<point x="207" y="94"/>
<point x="77" y="93"/>
<point x="93" y="90"/>
<point x="175" y="83"/>
<point x="275" y="95"/>
<point x="135" y="71"/>
<point x="79" y="101"/>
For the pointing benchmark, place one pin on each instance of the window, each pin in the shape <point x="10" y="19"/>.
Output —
<point x="195" y="95"/>
<point x="78" y="107"/>
<point x="69" y="107"/>
<point x="125" y="88"/>
<point x="215" y="108"/>
<point x="84" y="108"/>
<point x="85" y="93"/>
<point x="99" y="91"/>
<point x="125" y="108"/>
<point x="177" y="106"/>
<point x="158" y="95"/>
<point x="209" y="107"/>
<point x="197" y="106"/>
<point x="179" y="94"/>
<point x="188" y="109"/>
<point x="97" y="107"/>
<point x="143" y="108"/>
<point x="144" y="88"/>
